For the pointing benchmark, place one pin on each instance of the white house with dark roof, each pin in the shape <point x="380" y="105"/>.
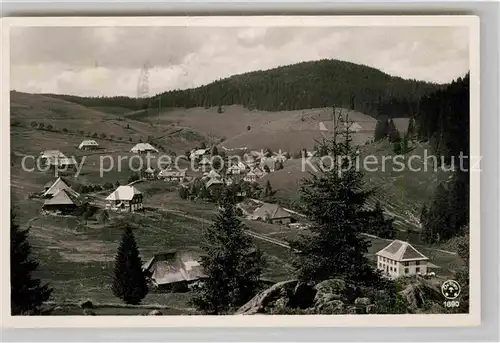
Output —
<point x="401" y="259"/>
<point x="88" y="144"/>
<point x="126" y="199"/>
<point x="141" y="148"/>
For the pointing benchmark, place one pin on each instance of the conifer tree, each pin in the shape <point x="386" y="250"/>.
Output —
<point x="378" y="225"/>
<point x="27" y="294"/>
<point x="231" y="262"/>
<point x="437" y="225"/>
<point x="393" y="133"/>
<point x="334" y="199"/>
<point x="381" y="129"/>
<point x="129" y="283"/>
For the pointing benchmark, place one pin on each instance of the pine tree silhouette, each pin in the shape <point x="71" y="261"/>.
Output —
<point x="27" y="293"/>
<point x="129" y="282"/>
<point x="231" y="262"/>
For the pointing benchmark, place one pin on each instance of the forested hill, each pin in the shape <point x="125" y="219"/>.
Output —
<point x="299" y="86"/>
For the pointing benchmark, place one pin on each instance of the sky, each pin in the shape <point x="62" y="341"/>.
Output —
<point x="107" y="61"/>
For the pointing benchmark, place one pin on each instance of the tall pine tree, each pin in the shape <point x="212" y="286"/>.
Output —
<point x="334" y="199"/>
<point x="231" y="262"/>
<point x="129" y="283"/>
<point x="27" y="294"/>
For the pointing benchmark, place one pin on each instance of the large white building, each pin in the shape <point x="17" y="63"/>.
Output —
<point x="400" y="258"/>
<point x="125" y="199"/>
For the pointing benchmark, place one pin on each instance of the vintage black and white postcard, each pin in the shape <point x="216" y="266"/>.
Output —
<point x="241" y="171"/>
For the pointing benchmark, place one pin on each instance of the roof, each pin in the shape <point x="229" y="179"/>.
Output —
<point x="257" y="171"/>
<point x="213" y="181"/>
<point x="52" y="154"/>
<point x="205" y="160"/>
<point x="88" y="142"/>
<point x="123" y="193"/>
<point x="251" y="173"/>
<point x="213" y="174"/>
<point x="269" y="162"/>
<point x="143" y="147"/>
<point x="56" y="186"/>
<point x="401" y="251"/>
<point x="64" y="197"/>
<point x="149" y="170"/>
<point x="272" y="211"/>
<point x="174" y="267"/>
<point x="170" y="173"/>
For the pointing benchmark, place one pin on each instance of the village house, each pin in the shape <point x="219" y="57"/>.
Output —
<point x="258" y="172"/>
<point x="214" y="184"/>
<point x="149" y="173"/>
<point x="197" y="153"/>
<point x="400" y="258"/>
<point x="212" y="174"/>
<point x="272" y="213"/>
<point x="52" y="187"/>
<point x="125" y="199"/>
<point x="143" y="148"/>
<point x="48" y="157"/>
<point x="205" y="164"/>
<point x="233" y="170"/>
<point x="268" y="162"/>
<point x="174" y="270"/>
<point x="88" y="144"/>
<point x="65" y="201"/>
<point x="250" y="160"/>
<point x="250" y="177"/>
<point x="172" y="175"/>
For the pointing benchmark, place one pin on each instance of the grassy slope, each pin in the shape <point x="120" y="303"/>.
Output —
<point x="286" y="130"/>
<point x="401" y="193"/>
<point x="28" y="108"/>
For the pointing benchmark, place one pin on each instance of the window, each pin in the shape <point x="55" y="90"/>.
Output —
<point x="417" y="269"/>
<point x="417" y="263"/>
<point x="406" y="270"/>
<point x="407" y="264"/>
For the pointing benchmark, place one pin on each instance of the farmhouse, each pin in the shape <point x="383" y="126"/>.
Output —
<point x="88" y="144"/>
<point x="172" y="175"/>
<point x="197" y="153"/>
<point x="214" y="183"/>
<point x="52" y="188"/>
<point x="258" y="172"/>
<point x="401" y="259"/>
<point x="233" y="170"/>
<point x="49" y="156"/>
<point x="205" y="163"/>
<point x="142" y="148"/>
<point x="125" y="199"/>
<point x="250" y="177"/>
<point x="269" y="163"/>
<point x="174" y="270"/>
<point x="65" y="201"/>
<point x="272" y="213"/>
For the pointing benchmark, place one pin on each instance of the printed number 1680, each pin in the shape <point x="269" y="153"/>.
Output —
<point x="451" y="303"/>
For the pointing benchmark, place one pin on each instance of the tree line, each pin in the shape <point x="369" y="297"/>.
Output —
<point x="305" y="85"/>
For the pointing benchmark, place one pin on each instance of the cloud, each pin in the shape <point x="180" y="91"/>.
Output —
<point x="107" y="60"/>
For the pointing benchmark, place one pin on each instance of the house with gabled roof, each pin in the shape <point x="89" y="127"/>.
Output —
<point x="65" y="201"/>
<point x="53" y="187"/>
<point x="141" y="148"/>
<point x="400" y="258"/>
<point x="197" y="153"/>
<point x="273" y="213"/>
<point x="250" y="177"/>
<point x="49" y="157"/>
<point x="125" y="199"/>
<point x="174" y="270"/>
<point x="268" y="162"/>
<point x="88" y="144"/>
<point x="171" y="175"/>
